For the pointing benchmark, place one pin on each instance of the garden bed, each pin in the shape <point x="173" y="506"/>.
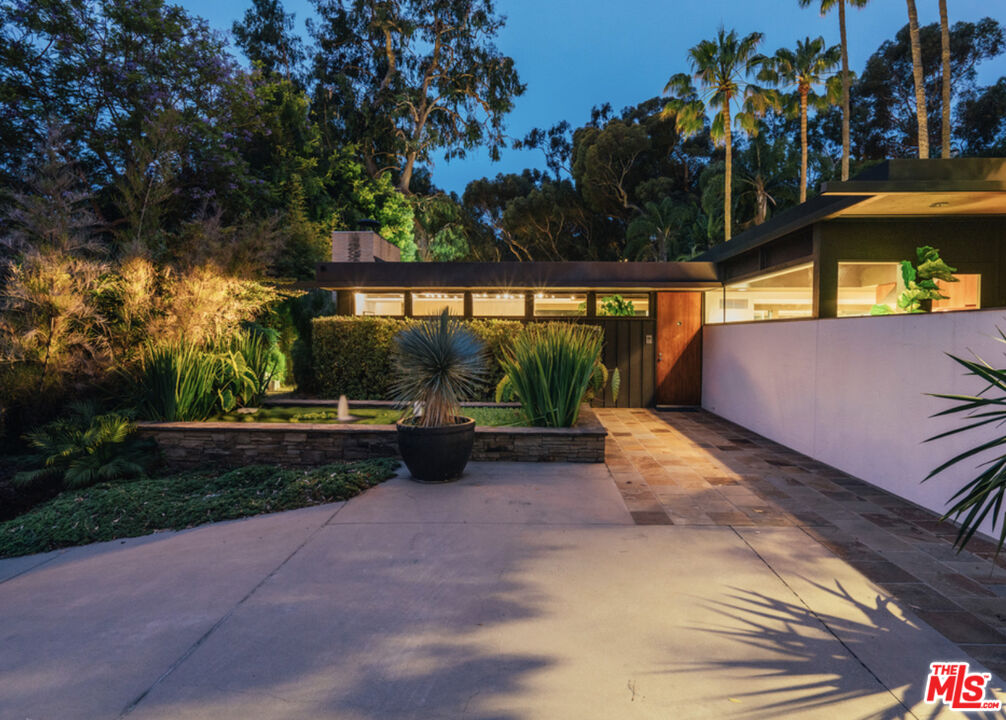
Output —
<point x="195" y="444"/>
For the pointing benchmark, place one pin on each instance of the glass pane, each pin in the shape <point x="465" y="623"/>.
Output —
<point x="433" y="303"/>
<point x="560" y="305"/>
<point x="623" y="304"/>
<point x="714" y="303"/>
<point x="774" y="296"/>
<point x="965" y="294"/>
<point x="380" y="303"/>
<point x="861" y="285"/>
<point x="498" y="304"/>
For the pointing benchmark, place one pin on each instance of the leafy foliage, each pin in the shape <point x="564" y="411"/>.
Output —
<point x="550" y="368"/>
<point x="84" y="448"/>
<point x="919" y="281"/>
<point x="437" y="363"/>
<point x="352" y="355"/>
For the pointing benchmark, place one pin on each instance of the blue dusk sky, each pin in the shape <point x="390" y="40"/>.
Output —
<point x="574" y="54"/>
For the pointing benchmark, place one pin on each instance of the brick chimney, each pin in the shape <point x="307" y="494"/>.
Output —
<point x="363" y="245"/>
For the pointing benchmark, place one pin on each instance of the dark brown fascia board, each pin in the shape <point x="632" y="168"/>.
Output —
<point x="784" y="223"/>
<point x="516" y="275"/>
<point x="910" y="187"/>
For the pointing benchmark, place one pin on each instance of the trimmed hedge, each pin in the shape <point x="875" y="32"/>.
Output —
<point x="352" y="355"/>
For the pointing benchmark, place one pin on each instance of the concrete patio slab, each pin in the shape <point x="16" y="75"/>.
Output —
<point x="537" y="599"/>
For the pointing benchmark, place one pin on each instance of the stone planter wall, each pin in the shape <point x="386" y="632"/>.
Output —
<point x="194" y="444"/>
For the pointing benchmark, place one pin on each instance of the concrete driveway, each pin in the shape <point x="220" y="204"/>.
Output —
<point x="523" y="591"/>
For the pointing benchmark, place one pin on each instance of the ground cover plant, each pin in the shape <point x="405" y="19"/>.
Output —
<point x="108" y="511"/>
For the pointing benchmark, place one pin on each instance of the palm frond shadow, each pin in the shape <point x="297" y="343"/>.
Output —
<point x="798" y="653"/>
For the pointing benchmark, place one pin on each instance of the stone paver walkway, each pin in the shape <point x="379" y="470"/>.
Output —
<point x="694" y="468"/>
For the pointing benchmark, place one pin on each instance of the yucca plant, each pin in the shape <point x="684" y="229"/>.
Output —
<point x="550" y="368"/>
<point x="85" y="448"/>
<point x="982" y="496"/>
<point x="437" y="364"/>
<point x="176" y="381"/>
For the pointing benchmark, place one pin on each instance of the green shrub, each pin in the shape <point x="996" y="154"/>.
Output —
<point x="550" y="368"/>
<point x="352" y="355"/>
<point x="85" y="448"/>
<point x="437" y="364"/>
<point x="176" y="381"/>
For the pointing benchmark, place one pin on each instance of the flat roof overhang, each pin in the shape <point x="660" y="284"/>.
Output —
<point x="903" y="188"/>
<point x="516" y="275"/>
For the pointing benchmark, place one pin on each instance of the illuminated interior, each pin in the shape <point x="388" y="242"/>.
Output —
<point x="380" y="303"/>
<point x="560" y="304"/>
<point x="861" y="285"/>
<point x="498" y="304"/>
<point x="433" y="303"/>
<point x="778" y="295"/>
<point x="607" y="302"/>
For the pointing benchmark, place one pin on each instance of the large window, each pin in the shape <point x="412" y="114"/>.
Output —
<point x="433" y="303"/>
<point x="864" y="285"/>
<point x="774" y="296"/>
<point x="622" y="304"/>
<point x="498" y="304"/>
<point x="560" y="304"/>
<point x="380" y="303"/>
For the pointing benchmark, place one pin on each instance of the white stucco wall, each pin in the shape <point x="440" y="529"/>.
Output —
<point x="850" y="392"/>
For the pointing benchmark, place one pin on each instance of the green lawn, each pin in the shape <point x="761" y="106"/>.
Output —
<point x="127" y="509"/>
<point x="485" y="416"/>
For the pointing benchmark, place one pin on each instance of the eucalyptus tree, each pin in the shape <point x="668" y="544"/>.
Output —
<point x="404" y="78"/>
<point x="920" y="86"/>
<point x="825" y="6"/>
<point x="945" y="94"/>
<point x="809" y="67"/>
<point x="722" y="68"/>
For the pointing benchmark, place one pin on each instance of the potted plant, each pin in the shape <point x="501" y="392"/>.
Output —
<point x="437" y="364"/>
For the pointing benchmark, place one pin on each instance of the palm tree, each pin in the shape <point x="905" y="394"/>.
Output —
<point x="945" y="46"/>
<point x="656" y="232"/>
<point x="804" y="70"/>
<point x="825" y="6"/>
<point x="920" y="88"/>
<point x="722" y="67"/>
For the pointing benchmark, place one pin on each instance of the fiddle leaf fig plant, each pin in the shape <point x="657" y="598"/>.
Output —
<point x="919" y="281"/>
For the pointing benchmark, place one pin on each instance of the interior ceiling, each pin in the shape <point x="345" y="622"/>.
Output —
<point x="948" y="203"/>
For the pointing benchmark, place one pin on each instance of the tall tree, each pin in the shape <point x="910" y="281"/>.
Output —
<point x="804" y="70"/>
<point x="945" y="95"/>
<point x="722" y="68"/>
<point x="404" y="78"/>
<point x="825" y="6"/>
<point x="266" y="36"/>
<point x="920" y="86"/>
<point x="884" y="120"/>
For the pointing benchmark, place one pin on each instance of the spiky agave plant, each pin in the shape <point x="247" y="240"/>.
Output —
<point x="437" y="364"/>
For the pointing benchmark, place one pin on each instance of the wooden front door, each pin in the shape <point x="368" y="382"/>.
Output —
<point x="679" y="348"/>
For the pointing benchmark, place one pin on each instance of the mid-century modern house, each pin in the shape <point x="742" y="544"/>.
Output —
<point x="773" y="329"/>
<point x="836" y="255"/>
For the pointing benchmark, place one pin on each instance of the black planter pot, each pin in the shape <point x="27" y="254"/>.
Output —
<point x="436" y="454"/>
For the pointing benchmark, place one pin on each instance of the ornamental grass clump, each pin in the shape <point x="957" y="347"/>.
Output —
<point x="436" y="365"/>
<point x="550" y="368"/>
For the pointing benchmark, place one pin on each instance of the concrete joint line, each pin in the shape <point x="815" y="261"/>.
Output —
<point x="226" y="616"/>
<point x="825" y="625"/>
<point x="36" y="566"/>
